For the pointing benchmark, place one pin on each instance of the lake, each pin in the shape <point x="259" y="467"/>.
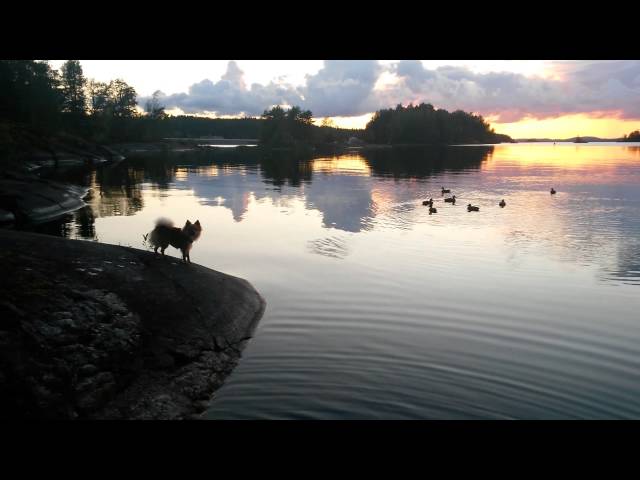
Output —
<point x="378" y="310"/>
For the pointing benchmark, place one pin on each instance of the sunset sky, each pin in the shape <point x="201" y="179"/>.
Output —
<point x="522" y="98"/>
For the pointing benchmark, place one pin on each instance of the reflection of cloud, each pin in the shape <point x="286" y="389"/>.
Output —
<point x="593" y="221"/>
<point x="334" y="247"/>
<point x="231" y="190"/>
<point x="344" y="200"/>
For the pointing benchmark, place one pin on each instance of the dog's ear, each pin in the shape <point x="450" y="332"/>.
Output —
<point x="197" y="222"/>
<point x="187" y="224"/>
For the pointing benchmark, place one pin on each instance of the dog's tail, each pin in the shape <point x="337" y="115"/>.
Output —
<point x="155" y="235"/>
<point x="164" y="222"/>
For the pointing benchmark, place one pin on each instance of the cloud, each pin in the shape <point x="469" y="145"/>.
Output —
<point x="230" y="95"/>
<point x="342" y="88"/>
<point x="348" y="88"/>
<point x="581" y="87"/>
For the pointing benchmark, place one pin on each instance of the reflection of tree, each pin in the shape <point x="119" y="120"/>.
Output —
<point x="344" y="200"/>
<point x="286" y="168"/>
<point x="116" y="191"/>
<point x="158" y="169"/>
<point x="422" y="162"/>
<point x="85" y="223"/>
<point x="61" y="227"/>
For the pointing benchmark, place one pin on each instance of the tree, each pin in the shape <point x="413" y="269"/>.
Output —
<point x="422" y="124"/>
<point x="273" y="129"/>
<point x="122" y="98"/>
<point x="98" y="93"/>
<point x="153" y="107"/>
<point x="73" y="88"/>
<point x="284" y="128"/>
<point x="632" y="137"/>
<point x="29" y="93"/>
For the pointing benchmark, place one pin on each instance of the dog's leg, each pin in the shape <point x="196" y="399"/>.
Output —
<point x="155" y="251"/>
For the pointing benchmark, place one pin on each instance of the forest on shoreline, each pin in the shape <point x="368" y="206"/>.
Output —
<point x="51" y="102"/>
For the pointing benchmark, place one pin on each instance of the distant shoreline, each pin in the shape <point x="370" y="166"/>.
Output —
<point x="572" y="140"/>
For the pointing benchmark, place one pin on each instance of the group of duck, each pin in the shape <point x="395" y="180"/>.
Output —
<point x="452" y="200"/>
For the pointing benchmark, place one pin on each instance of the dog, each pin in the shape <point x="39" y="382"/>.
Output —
<point x="165" y="234"/>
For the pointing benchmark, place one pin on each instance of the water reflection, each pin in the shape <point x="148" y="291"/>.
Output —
<point x="377" y="309"/>
<point x="592" y="220"/>
<point x="420" y="162"/>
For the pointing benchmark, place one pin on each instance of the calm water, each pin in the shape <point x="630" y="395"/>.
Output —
<point x="377" y="310"/>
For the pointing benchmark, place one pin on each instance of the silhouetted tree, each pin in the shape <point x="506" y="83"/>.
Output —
<point x="35" y="96"/>
<point x="98" y="93"/>
<point x="122" y="98"/>
<point x="286" y="128"/>
<point x="29" y="93"/>
<point x="632" y="137"/>
<point x="423" y="124"/>
<point x="73" y="88"/>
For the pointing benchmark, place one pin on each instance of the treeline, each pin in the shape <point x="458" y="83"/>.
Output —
<point x="65" y="101"/>
<point x="294" y="128"/>
<point x="51" y="102"/>
<point x="425" y="125"/>
<point x="632" y="137"/>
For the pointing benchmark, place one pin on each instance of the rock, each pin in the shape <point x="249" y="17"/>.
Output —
<point x="111" y="346"/>
<point x="28" y="198"/>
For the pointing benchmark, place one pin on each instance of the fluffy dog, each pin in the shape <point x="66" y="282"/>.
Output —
<point x="165" y="234"/>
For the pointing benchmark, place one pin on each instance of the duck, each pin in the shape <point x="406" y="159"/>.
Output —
<point x="428" y="202"/>
<point x="471" y="208"/>
<point x="445" y="190"/>
<point x="432" y="210"/>
<point x="451" y="200"/>
<point x="552" y="191"/>
<point x="502" y="203"/>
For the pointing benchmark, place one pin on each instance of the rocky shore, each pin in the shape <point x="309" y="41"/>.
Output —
<point x="95" y="331"/>
<point x="28" y="196"/>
